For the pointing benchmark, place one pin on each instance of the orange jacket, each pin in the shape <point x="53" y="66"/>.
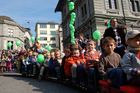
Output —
<point x="91" y="59"/>
<point x="70" y="61"/>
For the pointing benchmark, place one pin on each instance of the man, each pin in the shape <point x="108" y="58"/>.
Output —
<point x="117" y="32"/>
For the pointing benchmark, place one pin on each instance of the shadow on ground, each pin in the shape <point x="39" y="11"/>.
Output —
<point x="43" y="86"/>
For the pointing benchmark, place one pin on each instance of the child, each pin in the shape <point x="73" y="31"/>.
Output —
<point x="92" y="56"/>
<point x="55" y="63"/>
<point x="131" y="60"/>
<point x="58" y="63"/>
<point x="92" y="59"/>
<point x="3" y="63"/>
<point x="76" y="65"/>
<point x="64" y="60"/>
<point x="109" y="60"/>
<point x="9" y="63"/>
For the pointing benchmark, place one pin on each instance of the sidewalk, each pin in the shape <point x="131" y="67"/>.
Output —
<point x="10" y="73"/>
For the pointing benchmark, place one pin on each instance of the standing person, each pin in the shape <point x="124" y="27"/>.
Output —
<point x="118" y="34"/>
<point x="3" y="63"/>
<point x="81" y="40"/>
<point x="131" y="60"/>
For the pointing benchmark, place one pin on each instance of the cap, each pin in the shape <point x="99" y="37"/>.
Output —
<point x="132" y="34"/>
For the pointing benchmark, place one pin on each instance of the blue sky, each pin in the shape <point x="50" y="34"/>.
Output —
<point x="32" y="11"/>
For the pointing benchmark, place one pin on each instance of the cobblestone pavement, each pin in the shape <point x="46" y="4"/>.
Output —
<point x="17" y="84"/>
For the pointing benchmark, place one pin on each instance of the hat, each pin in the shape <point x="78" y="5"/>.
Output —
<point x="132" y="34"/>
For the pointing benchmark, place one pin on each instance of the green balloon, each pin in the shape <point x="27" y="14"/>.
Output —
<point x="71" y="27"/>
<point x="71" y="6"/>
<point x="33" y="39"/>
<point x="72" y="34"/>
<point x="96" y="35"/>
<point x="73" y="30"/>
<point x="108" y="24"/>
<point x="9" y="44"/>
<point x="49" y="48"/>
<point x="40" y="58"/>
<point x="73" y="15"/>
<point x="18" y="43"/>
<point x="38" y="39"/>
<point x="72" y="38"/>
<point x="72" y="41"/>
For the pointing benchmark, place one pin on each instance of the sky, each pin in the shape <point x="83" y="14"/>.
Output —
<point x="27" y="12"/>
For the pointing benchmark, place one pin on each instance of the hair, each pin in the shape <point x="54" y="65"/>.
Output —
<point x="113" y="19"/>
<point x="108" y="40"/>
<point x="90" y="40"/>
<point x="56" y="50"/>
<point x="74" y="47"/>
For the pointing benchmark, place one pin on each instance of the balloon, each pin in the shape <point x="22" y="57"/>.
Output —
<point x="72" y="34"/>
<point x="72" y="41"/>
<point x="49" y="48"/>
<point x="38" y="39"/>
<point x="71" y="5"/>
<point x="71" y="27"/>
<point x="33" y="39"/>
<point x="9" y="44"/>
<point x="72" y="21"/>
<point x="40" y="58"/>
<point x="73" y="30"/>
<point x="18" y="43"/>
<point x="108" y="24"/>
<point x="73" y="15"/>
<point x="96" y="35"/>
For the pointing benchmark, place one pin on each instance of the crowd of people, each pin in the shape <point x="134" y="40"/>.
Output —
<point x="118" y="60"/>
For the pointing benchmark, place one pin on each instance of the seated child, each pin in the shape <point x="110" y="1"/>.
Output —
<point x="76" y="64"/>
<point x="109" y="60"/>
<point x="64" y="60"/>
<point x="92" y="59"/>
<point x="131" y="60"/>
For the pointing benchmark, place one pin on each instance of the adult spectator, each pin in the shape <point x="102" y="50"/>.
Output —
<point x="117" y="32"/>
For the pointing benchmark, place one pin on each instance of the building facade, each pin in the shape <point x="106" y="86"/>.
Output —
<point x="49" y="33"/>
<point x="10" y="31"/>
<point x="92" y="14"/>
<point x="27" y="36"/>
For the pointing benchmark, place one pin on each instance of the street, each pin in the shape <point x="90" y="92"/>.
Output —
<point x="18" y="84"/>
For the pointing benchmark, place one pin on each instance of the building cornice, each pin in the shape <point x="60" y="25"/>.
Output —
<point x="11" y="37"/>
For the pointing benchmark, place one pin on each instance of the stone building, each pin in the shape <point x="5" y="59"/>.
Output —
<point x="10" y="31"/>
<point x="92" y="14"/>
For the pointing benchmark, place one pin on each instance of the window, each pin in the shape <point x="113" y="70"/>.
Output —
<point x="111" y="4"/>
<point x="43" y="38"/>
<point x="52" y="45"/>
<point x="53" y="32"/>
<point x="53" y="38"/>
<point x="135" y="5"/>
<point x="43" y="26"/>
<point x="42" y="32"/>
<point x="84" y="10"/>
<point x="52" y="26"/>
<point x="10" y="32"/>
